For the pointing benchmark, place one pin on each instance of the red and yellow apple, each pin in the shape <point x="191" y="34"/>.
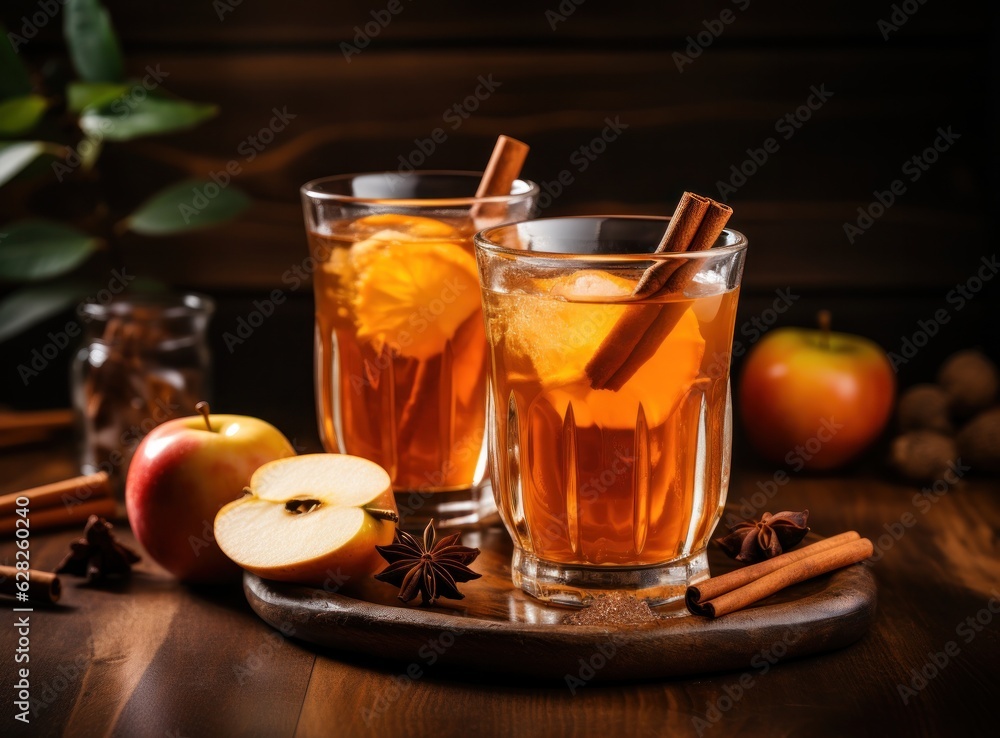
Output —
<point x="815" y="399"/>
<point x="311" y="519"/>
<point x="182" y="473"/>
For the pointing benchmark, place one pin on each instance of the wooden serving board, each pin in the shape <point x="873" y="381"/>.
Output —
<point x="497" y="629"/>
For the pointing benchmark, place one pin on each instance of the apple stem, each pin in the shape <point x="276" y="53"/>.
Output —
<point x="202" y="407"/>
<point x="381" y="514"/>
<point x="824" y="319"/>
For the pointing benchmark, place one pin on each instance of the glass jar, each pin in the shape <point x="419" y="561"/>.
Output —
<point x="144" y="360"/>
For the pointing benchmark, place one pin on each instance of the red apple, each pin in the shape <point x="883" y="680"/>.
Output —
<point x="182" y="473"/>
<point x="813" y="399"/>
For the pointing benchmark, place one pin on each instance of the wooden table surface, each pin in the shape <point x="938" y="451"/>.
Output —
<point x="155" y="658"/>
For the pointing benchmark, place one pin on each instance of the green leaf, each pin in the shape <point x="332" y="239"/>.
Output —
<point x="38" y="249"/>
<point x="15" y="156"/>
<point x="128" y="118"/>
<point x="80" y="95"/>
<point x="195" y="203"/>
<point x="20" y="114"/>
<point x="93" y="46"/>
<point x="25" y="307"/>
<point x="14" y="80"/>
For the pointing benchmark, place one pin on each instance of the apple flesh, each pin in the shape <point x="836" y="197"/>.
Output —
<point x="180" y="476"/>
<point x="310" y="519"/>
<point x="813" y="399"/>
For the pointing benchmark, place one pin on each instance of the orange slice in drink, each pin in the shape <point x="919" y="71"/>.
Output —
<point x="413" y="295"/>
<point x="559" y="331"/>
<point x="414" y="226"/>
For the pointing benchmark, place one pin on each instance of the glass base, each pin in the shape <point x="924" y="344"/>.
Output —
<point x="448" y="509"/>
<point x="574" y="585"/>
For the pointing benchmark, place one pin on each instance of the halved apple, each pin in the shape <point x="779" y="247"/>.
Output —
<point x="314" y="519"/>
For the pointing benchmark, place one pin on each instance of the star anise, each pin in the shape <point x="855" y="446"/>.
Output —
<point x="98" y="555"/>
<point x="756" y="540"/>
<point x="432" y="568"/>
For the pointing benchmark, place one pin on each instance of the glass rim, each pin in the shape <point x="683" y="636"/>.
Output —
<point x="309" y="190"/>
<point x="483" y="241"/>
<point x="167" y="306"/>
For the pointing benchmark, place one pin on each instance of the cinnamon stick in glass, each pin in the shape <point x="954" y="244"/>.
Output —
<point x="633" y="340"/>
<point x="502" y="170"/>
<point x="764" y="579"/>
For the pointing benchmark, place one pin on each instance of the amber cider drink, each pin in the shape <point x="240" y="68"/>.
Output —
<point x="615" y="487"/>
<point x="400" y="345"/>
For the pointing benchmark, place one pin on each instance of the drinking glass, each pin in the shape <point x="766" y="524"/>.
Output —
<point x="616" y="485"/>
<point x="400" y="348"/>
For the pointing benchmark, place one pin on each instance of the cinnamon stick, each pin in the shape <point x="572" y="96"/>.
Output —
<point x="43" y="586"/>
<point x="19" y="428"/>
<point x="425" y="380"/>
<point x="9" y="439"/>
<point x="716" y="586"/>
<point x="633" y="340"/>
<point x="54" y="517"/>
<point x="503" y="168"/>
<point x="791" y="572"/>
<point x="40" y="419"/>
<point x="67" y="492"/>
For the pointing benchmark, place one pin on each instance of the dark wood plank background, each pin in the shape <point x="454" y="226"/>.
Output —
<point x="685" y="130"/>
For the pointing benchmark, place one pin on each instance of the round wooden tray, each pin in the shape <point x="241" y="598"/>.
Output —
<point x="499" y="630"/>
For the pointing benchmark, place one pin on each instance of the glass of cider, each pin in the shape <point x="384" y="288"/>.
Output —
<point x="612" y="485"/>
<point x="400" y="350"/>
